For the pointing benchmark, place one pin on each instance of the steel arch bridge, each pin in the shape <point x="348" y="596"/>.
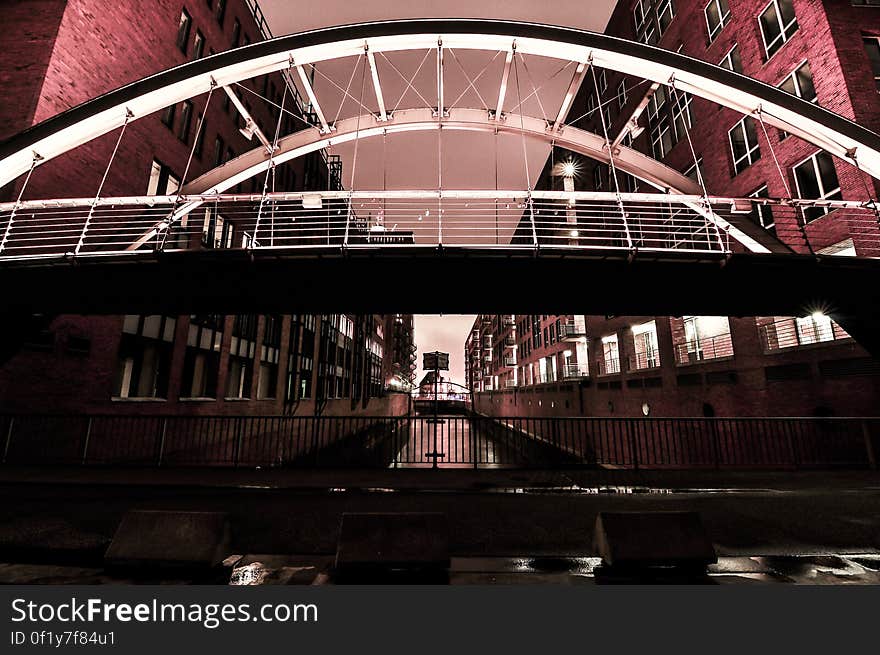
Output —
<point x="62" y="247"/>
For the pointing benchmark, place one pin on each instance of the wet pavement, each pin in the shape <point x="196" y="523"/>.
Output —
<point x="252" y="570"/>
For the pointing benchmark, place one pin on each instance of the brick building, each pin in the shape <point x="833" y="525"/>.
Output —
<point x="826" y="52"/>
<point x="64" y="52"/>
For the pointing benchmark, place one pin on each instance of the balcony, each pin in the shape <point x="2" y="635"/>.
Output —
<point x="510" y="384"/>
<point x="644" y="361"/>
<point x="572" y="332"/>
<point x="608" y="366"/>
<point x="508" y="320"/>
<point x="719" y="346"/>
<point x="510" y="362"/>
<point x="574" y="371"/>
<point x="793" y="332"/>
<point x="509" y="342"/>
<point x="486" y="320"/>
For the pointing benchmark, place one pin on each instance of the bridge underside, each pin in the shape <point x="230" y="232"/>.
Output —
<point x="447" y="280"/>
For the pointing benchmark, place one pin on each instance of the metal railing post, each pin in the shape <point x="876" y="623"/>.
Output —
<point x="161" y="454"/>
<point x="8" y="438"/>
<point x="85" y="452"/>
<point x="532" y="220"/>
<point x="632" y="445"/>
<point x="869" y="446"/>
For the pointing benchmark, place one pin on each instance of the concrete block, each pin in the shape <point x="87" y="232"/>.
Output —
<point x="151" y="539"/>
<point x="650" y="539"/>
<point x="405" y="540"/>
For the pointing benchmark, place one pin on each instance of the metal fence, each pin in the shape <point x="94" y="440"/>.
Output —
<point x="451" y="441"/>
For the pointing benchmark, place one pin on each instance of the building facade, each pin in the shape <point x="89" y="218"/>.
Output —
<point x="827" y="52"/>
<point x="65" y="52"/>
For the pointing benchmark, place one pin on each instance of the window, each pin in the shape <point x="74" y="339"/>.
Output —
<point x="201" y="363"/>
<point x="220" y="12"/>
<point x="219" y="146"/>
<point x="717" y="12"/>
<point x="872" y="47"/>
<point x="845" y="248"/>
<point x="866" y="3"/>
<point x="597" y="178"/>
<point x="705" y="337"/>
<point x="267" y="382"/>
<point x="744" y="144"/>
<point x="200" y="137"/>
<point x="732" y="60"/>
<point x="162" y="181"/>
<point x="656" y="102"/>
<point x="236" y="33"/>
<point x="816" y="178"/>
<point x="661" y="138"/>
<point x="602" y="80"/>
<point x="144" y="361"/>
<point x="651" y="18"/>
<point x="241" y="356"/>
<point x="681" y="114"/>
<point x="695" y="172"/>
<point x="778" y="24"/>
<point x="763" y="214"/>
<point x="198" y="45"/>
<point x="183" y="28"/>
<point x="621" y="94"/>
<point x="610" y="356"/>
<point x="185" y="120"/>
<point x="168" y="116"/>
<point x="647" y="355"/>
<point x="217" y="232"/>
<point x="800" y="83"/>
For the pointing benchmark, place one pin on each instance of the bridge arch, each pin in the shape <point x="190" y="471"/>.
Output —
<point x="831" y="132"/>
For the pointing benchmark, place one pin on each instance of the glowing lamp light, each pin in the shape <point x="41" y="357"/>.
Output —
<point x="574" y="233"/>
<point x="818" y="316"/>
<point x="569" y="169"/>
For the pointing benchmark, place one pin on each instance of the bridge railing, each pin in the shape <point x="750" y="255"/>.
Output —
<point x="597" y="221"/>
<point x="420" y="440"/>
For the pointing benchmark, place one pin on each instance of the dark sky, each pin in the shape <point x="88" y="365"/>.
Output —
<point x="444" y="333"/>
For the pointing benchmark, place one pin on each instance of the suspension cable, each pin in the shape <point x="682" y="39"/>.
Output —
<point x="270" y="170"/>
<point x="82" y="237"/>
<point x="684" y="112"/>
<point x="522" y="131"/>
<point x="167" y="228"/>
<point x="612" y="166"/>
<point x="802" y="223"/>
<point x="357" y="141"/>
<point x="34" y="161"/>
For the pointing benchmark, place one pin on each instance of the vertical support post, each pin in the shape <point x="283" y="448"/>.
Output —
<point x="347" y="223"/>
<point x="161" y="454"/>
<point x="85" y="451"/>
<point x="869" y="445"/>
<point x="8" y="438"/>
<point x="436" y="411"/>
<point x="532" y="220"/>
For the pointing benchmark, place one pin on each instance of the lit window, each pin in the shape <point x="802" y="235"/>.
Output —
<point x="778" y="24"/>
<point x="717" y="12"/>
<point x="610" y="362"/>
<point x="816" y="179"/>
<point x="647" y="355"/>
<point x="732" y="60"/>
<point x="183" y="28"/>
<point x="241" y="356"/>
<point x="744" y="144"/>
<point x="845" y="248"/>
<point x="267" y="381"/>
